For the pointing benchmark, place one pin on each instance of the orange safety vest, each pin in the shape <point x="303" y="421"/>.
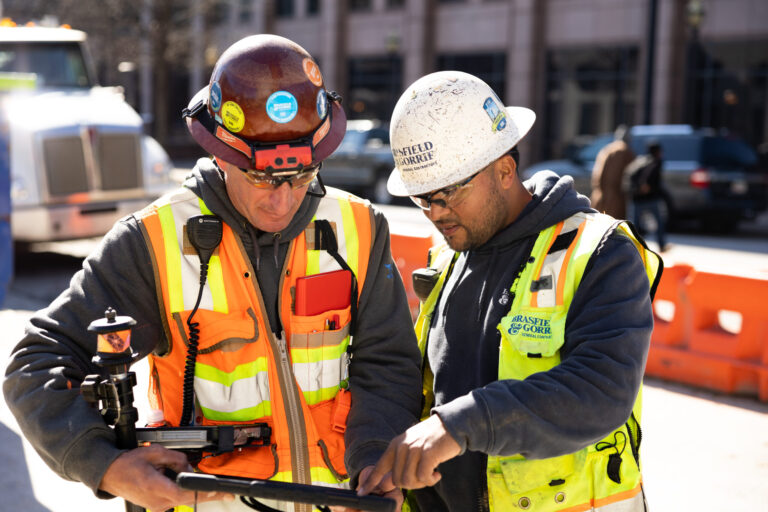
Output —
<point x="244" y="373"/>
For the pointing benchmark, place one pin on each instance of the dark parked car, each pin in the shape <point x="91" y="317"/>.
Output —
<point x="711" y="178"/>
<point x="362" y="162"/>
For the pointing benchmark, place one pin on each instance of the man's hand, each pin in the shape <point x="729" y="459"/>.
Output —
<point x="137" y="476"/>
<point x="386" y="489"/>
<point x="411" y="459"/>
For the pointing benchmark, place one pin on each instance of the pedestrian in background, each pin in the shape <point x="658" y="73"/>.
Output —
<point x="646" y="187"/>
<point x="608" y="195"/>
<point x="537" y="328"/>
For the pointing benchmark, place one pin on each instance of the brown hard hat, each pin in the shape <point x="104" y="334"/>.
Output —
<point x="265" y="90"/>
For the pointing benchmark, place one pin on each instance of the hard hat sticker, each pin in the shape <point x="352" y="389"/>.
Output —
<point x="215" y="96"/>
<point x="233" y="116"/>
<point x="282" y="106"/>
<point x="322" y="104"/>
<point x="312" y="72"/>
<point x="498" y="116"/>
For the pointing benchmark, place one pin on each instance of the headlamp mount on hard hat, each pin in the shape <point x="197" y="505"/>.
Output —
<point x="290" y="155"/>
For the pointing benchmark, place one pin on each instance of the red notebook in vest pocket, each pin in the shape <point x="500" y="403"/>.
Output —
<point x="319" y="293"/>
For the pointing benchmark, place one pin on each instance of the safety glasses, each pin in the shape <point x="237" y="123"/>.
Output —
<point x="295" y="179"/>
<point x="447" y="197"/>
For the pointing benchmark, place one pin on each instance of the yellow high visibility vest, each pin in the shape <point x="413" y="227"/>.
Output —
<point x="532" y="334"/>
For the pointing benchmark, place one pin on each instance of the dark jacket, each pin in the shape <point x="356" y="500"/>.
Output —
<point x="551" y="413"/>
<point x="49" y="363"/>
<point x="645" y="178"/>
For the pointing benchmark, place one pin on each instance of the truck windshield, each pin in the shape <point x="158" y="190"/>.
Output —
<point x="58" y="64"/>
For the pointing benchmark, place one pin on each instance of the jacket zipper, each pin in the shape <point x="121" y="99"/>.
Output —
<point x="291" y="401"/>
<point x="288" y="388"/>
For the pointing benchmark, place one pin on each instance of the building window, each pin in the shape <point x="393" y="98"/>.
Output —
<point x="489" y="67"/>
<point x="359" y="5"/>
<point x="313" y="7"/>
<point x="730" y="88"/>
<point x="217" y="13"/>
<point x="246" y="11"/>
<point x="375" y="84"/>
<point x="589" y="91"/>
<point x="284" y="8"/>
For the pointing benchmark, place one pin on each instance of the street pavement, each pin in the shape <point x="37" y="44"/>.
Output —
<point x="701" y="451"/>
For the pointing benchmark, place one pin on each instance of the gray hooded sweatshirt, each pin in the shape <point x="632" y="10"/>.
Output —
<point x="552" y="413"/>
<point x="49" y="363"/>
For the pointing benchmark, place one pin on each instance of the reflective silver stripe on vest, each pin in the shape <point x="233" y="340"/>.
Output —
<point x="546" y="297"/>
<point x="319" y="375"/>
<point x="239" y="395"/>
<point x="634" y="504"/>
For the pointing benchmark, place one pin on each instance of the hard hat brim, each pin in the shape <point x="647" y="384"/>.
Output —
<point x="217" y="148"/>
<point x="523" y="119"/>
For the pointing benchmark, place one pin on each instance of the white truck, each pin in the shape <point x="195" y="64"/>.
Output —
<point x="77" y="154"/>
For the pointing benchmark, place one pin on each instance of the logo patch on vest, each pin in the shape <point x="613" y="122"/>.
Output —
<point x="528" y="326"/>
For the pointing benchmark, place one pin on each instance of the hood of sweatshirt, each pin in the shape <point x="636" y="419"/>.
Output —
<point x="554" y="199"/>
<point x="207" y="182"/>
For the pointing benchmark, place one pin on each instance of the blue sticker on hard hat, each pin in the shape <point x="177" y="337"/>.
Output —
<point x="322" y="104"/>
<point x="498" y="116"/>
<point x="215" y="95"/>
<point x="282" y="106"/>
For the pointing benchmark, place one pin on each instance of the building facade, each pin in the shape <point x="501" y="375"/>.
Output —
<point x="584" y="66"/>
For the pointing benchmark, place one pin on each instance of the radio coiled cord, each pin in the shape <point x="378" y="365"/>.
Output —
<point x="189" y="364"/>
<point x="204" y="233"/>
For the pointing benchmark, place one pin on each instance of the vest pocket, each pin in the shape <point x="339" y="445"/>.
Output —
<point x="318" y="346"/>
<point x="220" y="331"/>
<point x="535" y="331"/>
<point x="330" y="443"/>
<point x="541" y="484"/>
<point x="231" y="377"/>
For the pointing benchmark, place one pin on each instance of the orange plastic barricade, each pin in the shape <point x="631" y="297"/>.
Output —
<point x="710" y="294"/>
<point x="409" y="252"/>
<point x="729" y="358"/>
<point x="669" y="329"/>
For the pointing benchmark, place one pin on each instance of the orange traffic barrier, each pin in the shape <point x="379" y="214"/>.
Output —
<point x="669" y="314"/>
<point x="710" y="295"/>
<point x="409" y="252"/>
<point x="723" y="344"/>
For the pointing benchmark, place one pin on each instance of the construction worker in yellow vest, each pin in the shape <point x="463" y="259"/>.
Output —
<point x="260" y="296"/>
<point x="536" y="328"/>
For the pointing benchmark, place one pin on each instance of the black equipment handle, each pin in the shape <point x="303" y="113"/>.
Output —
<point x="316" y="495"/>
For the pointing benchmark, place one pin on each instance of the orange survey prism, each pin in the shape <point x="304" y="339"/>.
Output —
<point x="319" y="293"/>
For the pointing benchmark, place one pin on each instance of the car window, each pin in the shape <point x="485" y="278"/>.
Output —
<point x="377" y="138"/>
<point x="677" y="147"/>
<point x="722" y="152"/>
<point x="54" y="64"/>
<point x="589" y="152"/>
<point x="353" y="140"/>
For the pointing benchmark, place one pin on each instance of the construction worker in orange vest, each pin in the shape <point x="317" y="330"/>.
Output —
<point x="301" y="321"/>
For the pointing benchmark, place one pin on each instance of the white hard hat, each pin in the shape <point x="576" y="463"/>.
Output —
<point x="446" y="127"/>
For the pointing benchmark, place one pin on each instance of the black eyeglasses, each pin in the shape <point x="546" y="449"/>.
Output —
<point x="452" y="195"/>
<point x="295" y="179"/>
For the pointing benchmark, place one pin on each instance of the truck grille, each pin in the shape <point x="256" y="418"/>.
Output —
<point x="65" y="166"/>
<point x="116" y="157"/>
